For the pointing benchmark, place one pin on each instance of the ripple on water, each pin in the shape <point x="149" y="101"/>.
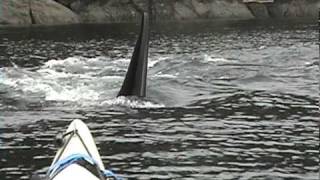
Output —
<point x="222" y="104"/>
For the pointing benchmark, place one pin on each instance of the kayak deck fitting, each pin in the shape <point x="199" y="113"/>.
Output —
<point x="78" y="158"/>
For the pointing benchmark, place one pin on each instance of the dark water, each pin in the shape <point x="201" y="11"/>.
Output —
<point x="238" y="101"/>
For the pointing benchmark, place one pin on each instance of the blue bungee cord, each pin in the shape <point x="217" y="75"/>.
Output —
<point x="62" y="164"/>
<point x="109" y="173"/>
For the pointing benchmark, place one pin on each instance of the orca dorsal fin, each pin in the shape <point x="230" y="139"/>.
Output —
<point x="135" y="81"/>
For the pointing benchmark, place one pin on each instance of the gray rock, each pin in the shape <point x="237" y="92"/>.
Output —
<point x="111" y="11"/>
<point x="79" y="5"/>
<point x="259" y="10"/>
<point x="229" y="9"/>
<point x="278" y="10"/>
<point x="184" y="11"/>
<point x="164" y="10"/>
<point x="304" y="8"/>
<point x="201" y="8"/>
<point x="294" y="9"/>
<point x="50" y="12"/>
<point x="65" y="2"/>
<point x="26" y="12"/>
<point x="15" y="12"/>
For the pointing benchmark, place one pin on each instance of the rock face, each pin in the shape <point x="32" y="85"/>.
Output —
<point x="108" y="11"/>
<point x="15" y="12"/>
<point x="24" y="12"/>
<point x="219" y="9"/>
<point x="49" y="12"/>
<point x="66" y="3"/>
<point x="285" y="9"/>
<point x="259" y="11"/>
<point x="188" y="10"/>
<point x="294" y="8"/>
<point x="201" y="8"/>
<point x="184" y="10"/>
<point x="231" y="9"/>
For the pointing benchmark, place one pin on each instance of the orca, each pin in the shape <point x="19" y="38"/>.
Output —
<point x="135" y="81"/>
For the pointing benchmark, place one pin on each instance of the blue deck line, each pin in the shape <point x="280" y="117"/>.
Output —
<point x="62" y="164"/>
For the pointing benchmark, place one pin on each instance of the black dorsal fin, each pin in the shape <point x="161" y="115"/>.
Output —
<point x="135" y="81"/>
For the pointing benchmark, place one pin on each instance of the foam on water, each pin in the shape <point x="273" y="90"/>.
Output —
<point x="131" y="102"/>
<point x="78" y="80"/>
<point x="213" y="58"/>
<point x="170" y="76"/>
<point x="156" y="60"/>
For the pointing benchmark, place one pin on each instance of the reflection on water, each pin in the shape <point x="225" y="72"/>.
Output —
<point x="223" y="103"/>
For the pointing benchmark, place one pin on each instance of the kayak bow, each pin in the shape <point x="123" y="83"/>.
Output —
<point x="78" y="158"/>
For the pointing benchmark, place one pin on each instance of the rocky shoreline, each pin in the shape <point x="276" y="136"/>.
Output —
<point x="52" y="12"/>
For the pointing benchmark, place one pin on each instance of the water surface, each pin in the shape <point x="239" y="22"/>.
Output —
<point x="239" y="101"/>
